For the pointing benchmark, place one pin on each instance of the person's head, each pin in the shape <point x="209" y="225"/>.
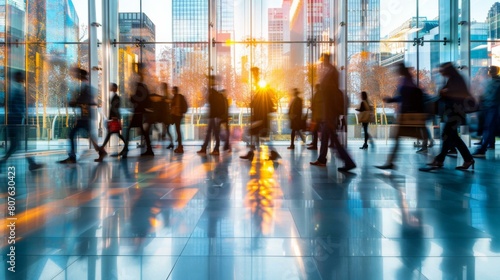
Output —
<point x="19" y="77"/>
<point x="447" y="69"/>
<point x="175" y="90"/>
<point x="493" y="71"/>
<point x="213" y="80"/>
<point x="326" y="58"/>
<point x="164" y="88"/>
<point x="113" y="87"/>
<point x="402" y="70"/>
<point x="483" y="72"/>
<point x="295" y="92"/>
<point x="79" y="73"/>
<point x="364" y="95"/>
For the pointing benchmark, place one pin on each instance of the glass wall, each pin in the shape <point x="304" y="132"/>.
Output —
<point x="183" y="42"/>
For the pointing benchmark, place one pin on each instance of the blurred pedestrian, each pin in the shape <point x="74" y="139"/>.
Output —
<point x="295" y="117"/>
<point x="262" y="105"/>
<point x="84" y="99"/>
<point x="178" y="109"/>
<point x="364" y="117"/>
<point x="225" y="119"/>
<point x="114" y="119"/>
<point x="216" y="110"/>
<point x="411" y="116"/>
<point x="16" y="113"/>
<point x="478" y="88"/>
<point x="316" y="116"/>
<point x="166" y="115"/>
<point x="140" y="102"/>
<point x="334" y="107"/>
<point x="454" y="96"/>
<point x="490" y="105"/>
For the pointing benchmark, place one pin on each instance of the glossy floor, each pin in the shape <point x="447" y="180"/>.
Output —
<point x="220" y="217"/>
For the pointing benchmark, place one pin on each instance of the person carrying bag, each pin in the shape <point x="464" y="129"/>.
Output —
<point x="364" y="117"/>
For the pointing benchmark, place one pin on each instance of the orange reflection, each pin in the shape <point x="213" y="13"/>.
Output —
<point x="262" y="192"/>
<point x="34" y="218"/>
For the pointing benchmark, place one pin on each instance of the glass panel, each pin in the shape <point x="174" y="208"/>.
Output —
<point x="484" y="28"/>
<point x="189" y="20"/>
<point x="49" y="86"/>
<point x="364" y="73"/>
<point x="159" y="12"/>
<point x="484" y="42"/>
<point x="428" y="20"/>
<point x="56" y="21"/>
<point x="397" y="20"/>
<point x="284" y="39"/>
<point x="480" y="12"/>
<point x="429" y="58"/>
<point x="370" y="20"/>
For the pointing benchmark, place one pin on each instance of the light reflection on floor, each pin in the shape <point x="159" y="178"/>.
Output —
<point x="220" y="217"/>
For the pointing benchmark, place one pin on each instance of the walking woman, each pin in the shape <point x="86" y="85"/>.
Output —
<point x="364" y="117"/>
<point x="178" y="109"/>
<point x="114" y="123"/>
<point x="453" y="95"/>
<point x="295" y="116"/>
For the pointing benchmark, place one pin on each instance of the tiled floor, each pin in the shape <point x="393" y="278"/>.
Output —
<point x="220" y="217"/>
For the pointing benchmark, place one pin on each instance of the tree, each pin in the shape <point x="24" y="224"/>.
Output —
<point x="283" y="80"/>
<point x="365" y="74"/>
<point x="47" y="65"/>
<point x="193" y="79"/>
<point x="166" y="60"/>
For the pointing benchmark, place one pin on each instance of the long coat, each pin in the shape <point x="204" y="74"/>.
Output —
<point x="333" y="97"/>
<point x="140" y="103"/>
<point x="295" y="113"/>
<point x="262" y="105"/>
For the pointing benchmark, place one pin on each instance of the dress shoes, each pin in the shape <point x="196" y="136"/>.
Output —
<point x="386" y="166"/>
<point x="346" y="168"/>
<point x="318" y="163"/>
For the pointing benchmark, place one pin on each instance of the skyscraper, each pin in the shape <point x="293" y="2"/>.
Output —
<point x="363" y="24"/>
<point x="191" y="27"/>
<point x="493" y="20"/>
<point x="225" y="16"/>
<point x="309" y="21"/>
<point x="138" y="28"/>
<point x="189" y="21"/>
<point x="278" y="31"/>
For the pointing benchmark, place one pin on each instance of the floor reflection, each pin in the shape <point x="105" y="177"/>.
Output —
<point x="263" y="193"/>
<point x="220" y="217"/>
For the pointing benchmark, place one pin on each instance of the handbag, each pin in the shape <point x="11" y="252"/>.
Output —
<point x="364" y="116"/>
<point x="410" y="125"/>
<point x="114" y="125"/>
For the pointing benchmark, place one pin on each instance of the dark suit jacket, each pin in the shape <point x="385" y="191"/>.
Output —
<point x="333" y="97"/>
<point x="295" y="113"/>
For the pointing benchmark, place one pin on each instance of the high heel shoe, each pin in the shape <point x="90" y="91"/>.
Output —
<point x="466" y="165"/>
<point x="365" y="146"/>
<point x="171" y="146"/>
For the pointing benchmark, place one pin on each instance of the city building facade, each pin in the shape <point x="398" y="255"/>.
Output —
<point x="221" y="37"/>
